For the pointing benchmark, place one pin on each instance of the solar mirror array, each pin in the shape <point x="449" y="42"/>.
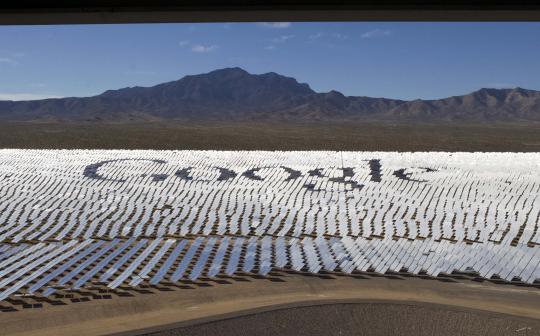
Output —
<point x="70" y="219"/>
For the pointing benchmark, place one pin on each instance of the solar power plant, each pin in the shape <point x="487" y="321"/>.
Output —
<point x="73" y="219"/>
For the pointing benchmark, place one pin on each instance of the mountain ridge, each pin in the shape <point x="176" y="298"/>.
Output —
<point x="235" y="94"/>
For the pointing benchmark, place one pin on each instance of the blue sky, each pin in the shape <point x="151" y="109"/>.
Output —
<point x="379" y="59"/>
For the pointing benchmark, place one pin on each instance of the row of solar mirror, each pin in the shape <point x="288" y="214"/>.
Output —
<point x="42" y="267"/>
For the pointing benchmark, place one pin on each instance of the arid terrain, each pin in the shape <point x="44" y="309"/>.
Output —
<point x="421" y="306"/>
<point x="360" y="318"/>
<point x="358" y="136"/>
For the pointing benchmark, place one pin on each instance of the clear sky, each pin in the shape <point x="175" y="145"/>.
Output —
<point x="379" y="59"/>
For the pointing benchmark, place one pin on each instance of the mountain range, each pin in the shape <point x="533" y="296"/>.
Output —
<point x="235" y="94"/>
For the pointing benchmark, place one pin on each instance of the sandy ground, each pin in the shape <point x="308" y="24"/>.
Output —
<point x="144" y="311"/>
<point x="360" y="318"/>
<point x="354" y="136"/>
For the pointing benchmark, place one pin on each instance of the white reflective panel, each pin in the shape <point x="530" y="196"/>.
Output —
<point x="64" y="255"/>
<point x="137" y="262"/>
<point x="142" y="275"/>
<point x="72" y="261"/>
<point x="216" y="266"/>
<point x="86" y="276"/>
<point x="114" y="268"/>
<point x="203" y="258"/>
<point x="232" y="266"/>
<point x="186" y="260"/>
<point x="265" y="261"/>
<point x="249" y="256"/>
<point x="297" y="260"/>
<point x="168" y="263"/>
<point x="72" y="218"/>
